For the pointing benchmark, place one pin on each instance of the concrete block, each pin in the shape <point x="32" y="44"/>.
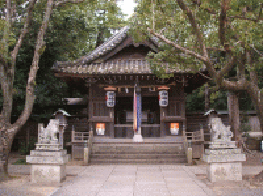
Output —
<point x="217" y="172"/>
<point x="223" y="151"/>
<point x="48" y="174"/>
<point x="217" y="158"/>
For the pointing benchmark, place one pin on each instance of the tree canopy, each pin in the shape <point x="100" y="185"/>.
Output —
<point x="61" y="29"/>
<point x="72" y="32"/>
<point x="222" y="36"/>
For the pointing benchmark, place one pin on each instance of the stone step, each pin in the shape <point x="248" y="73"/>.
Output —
<point x="164" y="140"/>
<point x="149" y="152"/>
<point x="138" y="161"/>
<point x="128" y="149"/>
<point x="134" y="163"/>
<point x="137" y="156"/>
<point x="139" y="143"/>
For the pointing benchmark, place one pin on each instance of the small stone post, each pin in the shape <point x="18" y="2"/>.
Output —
<point x="202" y="141"/>
<point x="189" y="153"/>
<point x="90" y="145"/>
<point x="86" y="153"/>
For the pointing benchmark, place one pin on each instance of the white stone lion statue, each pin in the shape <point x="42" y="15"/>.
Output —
<point x="220" y="132"/>
<point x="50" y="132"/>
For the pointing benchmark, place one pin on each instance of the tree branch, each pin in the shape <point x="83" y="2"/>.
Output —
<point x="223" y="18"/>
<point x="210" y="11"/>
<point x="234" y="85"/>
<point x="33" y="70"/>
<point x="245" y="18"/>
<point x="196" y="28"/>
<point x="64" y="2"/>
<point x="205" y="76"/>
<point x="227" y="68"/>
<point x="251" y="19"/>
<point x="260" y="54"/>
<point x="24" y="31"/>
<point x="202" y="58"/>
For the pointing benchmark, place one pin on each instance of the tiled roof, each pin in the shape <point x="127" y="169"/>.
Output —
<point x="85" y="64"/>
<point x="129" y="66"/>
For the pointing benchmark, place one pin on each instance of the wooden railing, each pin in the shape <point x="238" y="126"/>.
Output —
<point x="195" y="136"/>
<point x="78" y="136"/>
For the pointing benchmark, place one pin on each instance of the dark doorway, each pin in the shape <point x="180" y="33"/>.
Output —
<point x="150" y="105"/>
<point x="123" y="115"/>
<point x="123" y="105"/>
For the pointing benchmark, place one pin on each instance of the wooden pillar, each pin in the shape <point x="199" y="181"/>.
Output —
<point x="162" y="116"/>
<point x="111" y="123"/>
<point x="233" y="107"/>
<point x="90" y="106"/>
<point x="182" y="95"/>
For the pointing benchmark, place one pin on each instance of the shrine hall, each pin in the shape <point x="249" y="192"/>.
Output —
<point x="125" y="98"/>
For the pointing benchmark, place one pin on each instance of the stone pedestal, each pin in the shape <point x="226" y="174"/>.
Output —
<point x="48" y="166"/>
<point x="224" y="164"/>
<point x="223" y="156"/>
<point x="49" y="159"/>
<point x="137" y="138"/>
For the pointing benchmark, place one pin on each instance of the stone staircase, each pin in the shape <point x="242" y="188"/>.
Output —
<point x="169" y="150"/>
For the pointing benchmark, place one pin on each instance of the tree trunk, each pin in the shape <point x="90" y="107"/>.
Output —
<point x="8" y="131"/>
<point x="6" y="140"/>
<point x="234" y="116"/>
<point x="207" y="100"/>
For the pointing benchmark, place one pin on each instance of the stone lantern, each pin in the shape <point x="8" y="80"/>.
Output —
<point x="61" y="115"/>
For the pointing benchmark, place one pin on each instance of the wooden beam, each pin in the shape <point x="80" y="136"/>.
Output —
<point x="132" y="86"/>
<point x="110" y="88"/>
<point x="163" y="88"/>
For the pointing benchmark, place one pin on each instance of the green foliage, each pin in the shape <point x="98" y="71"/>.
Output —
<point x="20" y="162"/>
<point x="72" y="32"/>
<point x="245" y="126"/>
<point x="24" y="148"/>
<point x="76" y="27"/>
<point x="166" y="18"/>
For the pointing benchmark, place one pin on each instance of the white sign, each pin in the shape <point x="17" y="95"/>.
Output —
<point x="174" y="128"/>
<point x="100" y="128"/>
<point x="110" y="98"/>
<point x="163" y="98"/>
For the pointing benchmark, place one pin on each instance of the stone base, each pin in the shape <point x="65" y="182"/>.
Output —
<point x="217" y="172"/>
<point x="57" y="157"/>
<point x="137" y="138"/>
<point x="48" y="166"/>
<point x="48" y="174"/>
<point x="222" y="144"/>
<point x="222" y="158"/>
